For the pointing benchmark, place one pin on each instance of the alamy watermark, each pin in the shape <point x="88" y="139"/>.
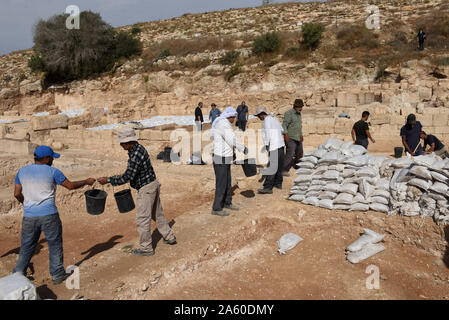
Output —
<point x="373" y="281"/>
<point x="73" y="20"/>
<point x="73" y="282"/>
<point x="373" y="21"/>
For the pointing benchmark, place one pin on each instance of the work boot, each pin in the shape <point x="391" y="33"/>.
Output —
<point x="138" y="252"/>
<point x="170" y="242"/>
<point x="59" y="280"/>
<point x="231" y="207"/>
<point x="220" y="213"/>
<point x="265" y="191"/>
<point x="279" y="186"/>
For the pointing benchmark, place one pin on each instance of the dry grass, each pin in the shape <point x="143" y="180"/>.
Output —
<point x="436" y="26"/>
<point x="356" y="36"/>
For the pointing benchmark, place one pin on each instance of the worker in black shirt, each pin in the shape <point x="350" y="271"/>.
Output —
<point x="360" y="131"/>
<point x="435" y="145"/>
<point x="199" y="117"/>
<point x="421" y="37"/>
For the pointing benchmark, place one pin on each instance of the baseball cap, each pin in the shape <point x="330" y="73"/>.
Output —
<point x="260" y="110"/>
<point x="45" y="151"/>
<point x="298" y="103"/>
<point x="411" y="119"/>
<point x="126" y="135"/>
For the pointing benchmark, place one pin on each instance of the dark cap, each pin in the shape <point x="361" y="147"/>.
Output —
<point x="411" y="119"/>
<point x="298" y="103"/>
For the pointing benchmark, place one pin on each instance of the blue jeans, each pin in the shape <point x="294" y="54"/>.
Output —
<point x="31" y="231"/>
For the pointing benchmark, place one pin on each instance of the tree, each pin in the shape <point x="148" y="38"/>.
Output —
<point x="312" y="34"/>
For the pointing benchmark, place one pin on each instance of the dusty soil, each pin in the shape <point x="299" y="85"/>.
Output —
<point x="232" y="257"/>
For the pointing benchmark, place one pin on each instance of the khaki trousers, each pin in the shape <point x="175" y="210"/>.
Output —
<point x="149" y="207"/>
<point x="443" y="153"/>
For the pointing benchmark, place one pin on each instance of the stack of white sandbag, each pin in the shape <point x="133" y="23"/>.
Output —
<point x="421" y="187"/>
<point x="340" y="175"/>
<point x="365" y="247"/>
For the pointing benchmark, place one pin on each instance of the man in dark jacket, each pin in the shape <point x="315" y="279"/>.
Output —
<point x="421" y="37"/>
<point x="242" y="116"/>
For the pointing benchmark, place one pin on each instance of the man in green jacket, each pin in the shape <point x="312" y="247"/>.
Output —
<point x="293" y="136"/>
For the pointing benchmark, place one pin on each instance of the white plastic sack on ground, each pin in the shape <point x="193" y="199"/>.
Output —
<point x="404" y="175"/>
<point x="410" y="209"/>
<point x="347" y="173"/>
<point x="402" y="163"/>
<point x="366" y="252"/>
<point x="439" y="187"/>
<point x="380" y="200"/>
<point x="333" y="157"/>
<point x="287" y="242"/>
<point x="332" y="187"/>
<point x="376" y="161"/>
<point x="426" y="160"/>
<point x="17" y="287"/>
<point x="345" y="147"/>
<point x="340" y="167"/>
<point x="420" y="183"/>
<point x="366" y="189"/>
<point x="297" y="197"/>
<point x="367" y="172"/>
<point x="357" y="150"/>
<point x="342" y="206"/>
<point x="313" y="201"/>
<point x="318" y="182"/>
<point x="304" y="172"/>
<point x="379" y="207"/>
<point x="357" y="161"/>
<point x="326" y="203"/>
<point x="421" y="172"/>
<point x="359" y="198"/>
<point x="315" y="187"/>
<point x="436" y="196"/>
<point x="319" y="153"/>
<point x="306" y="165"/>
<point x="359" y="207"/>
<point x="381" y="193"/>
<point x="331" y="175"/>
<point x="368" y="236"/>
<point x="333" y="144"/>
<point x="328" y="195"/>
<point x="310" y="159"/>
<point x="383" y="184"/>
<point x="350" y="188"/>
<point x="313" y="194"/>
<point x="302" y="179"/>
<point x="344" y="198"/>
<point x="439" y="177"/>
<point x="319" y="170"/>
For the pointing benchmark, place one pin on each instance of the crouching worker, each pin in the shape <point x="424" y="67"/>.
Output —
<point x="434" y="144"/>
<point x="224" y="142"/>
<point x="272" y="135"/>
<point x="35" y="187"/>
<point x="141" y="176"/>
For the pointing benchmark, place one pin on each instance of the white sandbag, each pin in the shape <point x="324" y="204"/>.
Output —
<point x="319" y="171"/>
<point x="404" y="175"/>
<point x="435" y="196"/>
<point x="381" y="193"/>
<point x="347" y="173"/>
<point x="326" y="203"/>
<point x="368" y="236"/>
<point x="357" y="161"/>
<point x="425" y="160"/>
<point x="306" y="165"/>
<point x="344" y="198"/>
<point x="379" y="207"/>
<point x="383" y="184"/>
<point x="366" y="252"/>
<point x="333" y="157"/>
<point x="359" y="207"/>
<point x="376" y="161"/>
<point x="313" y="194"/>
<point x="303" y="179"/>
<point x="440" y="188"/>
<point x="340" y="167"/>
<point x="333" y="144"/>
<point x="421" y="172"/>
<point x="420" y="183"/>
<point x="331" y="175"/>
<point x="333" y="187"/>
<point x="345" y="147"/>
<point x="350" y="188"/>
<point x="366" y="189"/>
<point x="413" y="193"/>
<point x="318" y="182"/>
<point x="359" y="198"/>
<point x="313" y="201"/>
<point x="319" y="153"/>
<point x="315" y="187"/>
<point x="357" y="150"/>
<point x="297" y="197"/>
<point x="287" y="242"/>
<point x="328" y="195"/>
<point x="410" y="209"/>
<point x="342" y="206"/>
<point x="367" y="172"/>
<point x="428" y="206"/>
<point x="17" y="287"/>
<point x="439" y="177"/>
<point x="402" y="163"/>
<point x="304" y="171"/>
<point x="380" y="200"/>
<point x="310" y="159"/>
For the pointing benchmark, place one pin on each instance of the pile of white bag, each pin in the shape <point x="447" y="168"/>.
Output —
<point x="342" y="176"/>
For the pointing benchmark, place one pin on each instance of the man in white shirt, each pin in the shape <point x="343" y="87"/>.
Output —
<point x="224" y="142"/>
<point x="272" y="134"/>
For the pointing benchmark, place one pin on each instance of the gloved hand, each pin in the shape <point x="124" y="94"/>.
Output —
<point x="245" y="151"/>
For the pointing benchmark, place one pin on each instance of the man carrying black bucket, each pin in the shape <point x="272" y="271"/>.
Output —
<point x="141" y="176"/>
<point x="35" y="188"/>
<point x="274" y="142"/>
<point x="224" y="142"/>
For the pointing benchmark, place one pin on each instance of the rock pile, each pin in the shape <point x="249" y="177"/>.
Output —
<point x="342" y="176"/>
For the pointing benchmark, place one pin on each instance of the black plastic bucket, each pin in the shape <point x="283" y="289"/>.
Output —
<point x="125" y="202"/>
<point x="95" y="201"/>
<point x="249" y="167"/>
<point x="398" y="151"/>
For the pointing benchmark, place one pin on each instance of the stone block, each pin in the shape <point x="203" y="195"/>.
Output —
<point x="13" y="146"/>
<point x="50" y="122"/>
<point x="380" y="119"/>
<point x="440" y="120"/>
<point x="425" y="93"/>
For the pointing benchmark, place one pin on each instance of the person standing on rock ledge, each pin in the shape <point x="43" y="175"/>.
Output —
<point x="35" y="188"/>
<point x="242" y="116"/>
<point x="360" y="131"/>
<point x="141" y="176"/>
<point x="224" y="142"/>
<point x="293" y="137"/>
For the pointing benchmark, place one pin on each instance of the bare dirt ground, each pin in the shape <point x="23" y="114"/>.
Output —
<point x="232" y="257"/>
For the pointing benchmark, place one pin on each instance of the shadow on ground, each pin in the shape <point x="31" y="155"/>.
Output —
<point x="98" y="248"/>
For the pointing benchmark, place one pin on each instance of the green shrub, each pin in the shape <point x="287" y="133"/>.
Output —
<point x="312" y="34"/>
<point x="380" y="72"/>
<point x="126" y="45"/>
<point x="229" y="57"/>
<point x="164" y="54"/>
<point x="235" y="70"/>
<point x="36" y="64"/>
<point x="267" y="43"/>
<point x="296" y="53"/>
<point x="351" y="37"/>
<point x="135" y="31"/>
